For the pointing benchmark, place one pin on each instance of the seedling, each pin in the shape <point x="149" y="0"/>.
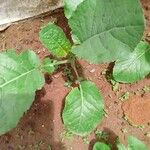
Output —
<point x="38" y="145"/>
<point x="146" y="89"/>
<point x="66" y="135"/>
<point x="133" y="144"/>
<point x="125" y="96"/>
<point x="141" y="127"/>
<point x="85" y="140"/>
<point x="31" y="132"/>
<point x="102" y="135"/>
<point x="99" y="35"/>
<point x="22" y="74"/>
<point x="115" y="85"/>
<point x="104" y="72"/>
<point x="124" y="130"/>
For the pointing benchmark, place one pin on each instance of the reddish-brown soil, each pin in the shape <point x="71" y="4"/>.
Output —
<point x="42" y="126"/>
<point x="136" y="110"/>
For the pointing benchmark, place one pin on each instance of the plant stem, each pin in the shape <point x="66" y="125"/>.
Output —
<point x="62" y="62"/>
<point x="74" y="68"/>
<point x="54" y="63"/>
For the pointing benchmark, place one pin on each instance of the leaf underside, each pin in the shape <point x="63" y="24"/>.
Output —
<point x="54" y="39"/>
<point x="19" y="79"/>
<point x="107" y="30"/>
<point x="83" y="109"/>
<point x="134" y="67"/>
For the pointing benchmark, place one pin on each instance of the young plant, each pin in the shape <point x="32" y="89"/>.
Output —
<point x="133" y="144"/>
<point x="84" y="106"/>
<point x="102" y="31"/>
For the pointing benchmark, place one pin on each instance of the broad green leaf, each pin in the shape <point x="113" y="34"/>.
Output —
<point x="48" y="65"/>
<point x="55" y="40"/>
<point x="135" y="144"/>
<point x="70" y="6"/>
<point x="101" y="146"/>
<point x="134" y="67"/>
<point x="83" y="109"/>
<point x="107" y="30"/>
<point x="19" y="79"/>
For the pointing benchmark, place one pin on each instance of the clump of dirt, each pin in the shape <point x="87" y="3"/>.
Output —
<point x="137" y="110"/>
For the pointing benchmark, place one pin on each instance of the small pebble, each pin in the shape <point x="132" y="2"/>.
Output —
<point x="92" y="71"/>
<point x="56" y="76"/>
<point x="39" y="52"/>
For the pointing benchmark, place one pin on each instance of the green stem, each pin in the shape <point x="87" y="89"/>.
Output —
<point x="62" y="62"/>
<point x="54" y="63"/>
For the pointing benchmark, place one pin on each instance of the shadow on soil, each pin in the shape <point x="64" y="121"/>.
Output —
<point x="35" y="130"/>
<point x="112" y="137"/>
<point x="49" y="113"/>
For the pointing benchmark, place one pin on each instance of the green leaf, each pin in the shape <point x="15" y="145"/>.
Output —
<point x="19" y="79"/>
<point x="107" y="30"/>
<point x="55" y="40"/>
<point x="121" y="147"/>
<point x="70" y="6"/>
<point x="101" y="146"/>
<point x="83" y="109"/>
<point x="49" y="65"/>
<point x="135" y="144"/>
<point x="134" y="67"/>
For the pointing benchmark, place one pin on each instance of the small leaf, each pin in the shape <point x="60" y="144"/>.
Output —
<point x="55" y="40"/>
<point x="48" y="65"/>
<point x="134" y="67"/>
<point x="146" y="89"/>
<point x="70" y="6"/>
<point x="135" y="144"/>
<point x="102" y="135"/>
<point x="125" y="96"/>
<point x="107" y="30"/>
<point x="115" y="85"/>
<point x="19" y="79"/>
<point x="101" y="146"/>
<point x="83" y="109"/>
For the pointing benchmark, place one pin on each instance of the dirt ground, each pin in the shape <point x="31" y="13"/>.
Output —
<point x="42" y="127"/>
